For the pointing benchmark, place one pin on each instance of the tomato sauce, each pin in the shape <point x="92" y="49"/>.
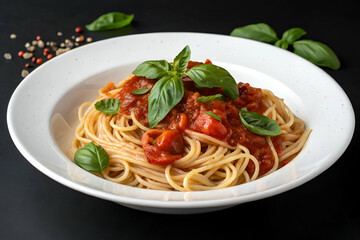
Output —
<point x="189" y="114"/>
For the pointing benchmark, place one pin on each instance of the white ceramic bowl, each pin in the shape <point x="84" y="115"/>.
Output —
<point x="42" y="113"/>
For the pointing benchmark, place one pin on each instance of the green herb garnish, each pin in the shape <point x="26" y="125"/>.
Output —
<point x="112" y="20"/>
<point x="169" y="89"/>
<point x="108" y="106"/>
<point x="258" y="123"/>
<point x="92" y="158"/>
<point x="210" y="98"/>
<point x="313" y="51"/>
<point x="140" y="91"/>
<point x="213" y="115"/>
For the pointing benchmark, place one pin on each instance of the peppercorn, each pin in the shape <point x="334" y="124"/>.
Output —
<point x="27" y="65"/>
<point x="78" y="30"/>
<point x="20" y="53"/>
<point x="46" y="51"/>
<point x="39" y="61"/>
<point x="38" y="37"/>
<point x="33" y="59"/>
<point x="50" y="56"/>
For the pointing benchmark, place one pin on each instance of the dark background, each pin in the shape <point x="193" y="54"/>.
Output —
<point x="33" y="206"/>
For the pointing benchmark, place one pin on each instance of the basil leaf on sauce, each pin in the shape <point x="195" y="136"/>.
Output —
<point x="259" y="124"/>
<point x="140" y="91"/>
<point x="108" y="106"/>
<point x="259" y="32"/>
<point x="154" y="69"/>
<point x="210" y="76"/>
<point x="181" y="60"/>
<point x="210" y="98"/>
<point x="92" y="158"/>
<point x="112" y="20"/>
<point x="169" y="89"/>
<point x="165" y="94"/>
<point x="213" y="115"/>
<point x="317" y="53"/>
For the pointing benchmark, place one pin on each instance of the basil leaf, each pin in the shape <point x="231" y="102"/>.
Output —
<point x="165" y="94"/>
<point x="293" y="34"/>
<point x="259" y="124"/>
<point x="210" y="98"/>
<point x="140" y="91"/>
<point x="108" y="106"/>
<point x="92" y="158"/>
<point x="317" y="53"/>
<point x="209" y="75"/>
<point x="155" y="69"/>
<point x="260" y="32"/>
<point x="181" y="60"/>
<point x="213" y="115"/>
<point x="282" y="44"/>
<point x="109" y="21"/>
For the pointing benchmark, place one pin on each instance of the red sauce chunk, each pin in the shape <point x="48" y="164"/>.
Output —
<point x="162" y="147"/>
<point x="165" y="145"/>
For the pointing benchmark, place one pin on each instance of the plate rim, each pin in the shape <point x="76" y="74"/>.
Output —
<point x="161" y="203"/>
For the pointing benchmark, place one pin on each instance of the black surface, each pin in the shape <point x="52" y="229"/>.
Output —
<point x="33" y="206"/>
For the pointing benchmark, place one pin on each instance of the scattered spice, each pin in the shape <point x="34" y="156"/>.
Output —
<point x="27" y="55"/>
<point x="39" y="61"/>
<point x="24" y="73"/>
<point x="20" y="53"/>
<point x="78" y="30"/>
<point x="31" y="48"/>
<point x="49" y="49"/>
<point x="7" y="56"/>
<point x="79" y="39"/>
<point x="41" y="44"/>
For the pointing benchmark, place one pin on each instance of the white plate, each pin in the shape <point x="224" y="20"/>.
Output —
<point x="42" y="112"/>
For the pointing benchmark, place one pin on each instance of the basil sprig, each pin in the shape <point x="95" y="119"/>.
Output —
<point x="313" y="51"/>
<point x="92" y="158"/>
<point x="112" y="20"/>
<point x="169" y="89"/>
<point x="166" y="93"/>
<point x="210" y="98"/>
<point x="259" y="32"/>
<point x="258" y="123"/>
<point x="108" y="106"/>
<point x="317" y="53"/>
<point x="209" y="76"/>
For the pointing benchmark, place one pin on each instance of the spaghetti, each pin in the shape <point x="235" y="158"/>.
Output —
<point x="209" y="154"/>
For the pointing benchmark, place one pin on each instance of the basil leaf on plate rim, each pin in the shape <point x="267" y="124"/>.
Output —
<point x="258" y="123"/>
<point x="317" y="53"/>
<point x="259" y="32"/>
